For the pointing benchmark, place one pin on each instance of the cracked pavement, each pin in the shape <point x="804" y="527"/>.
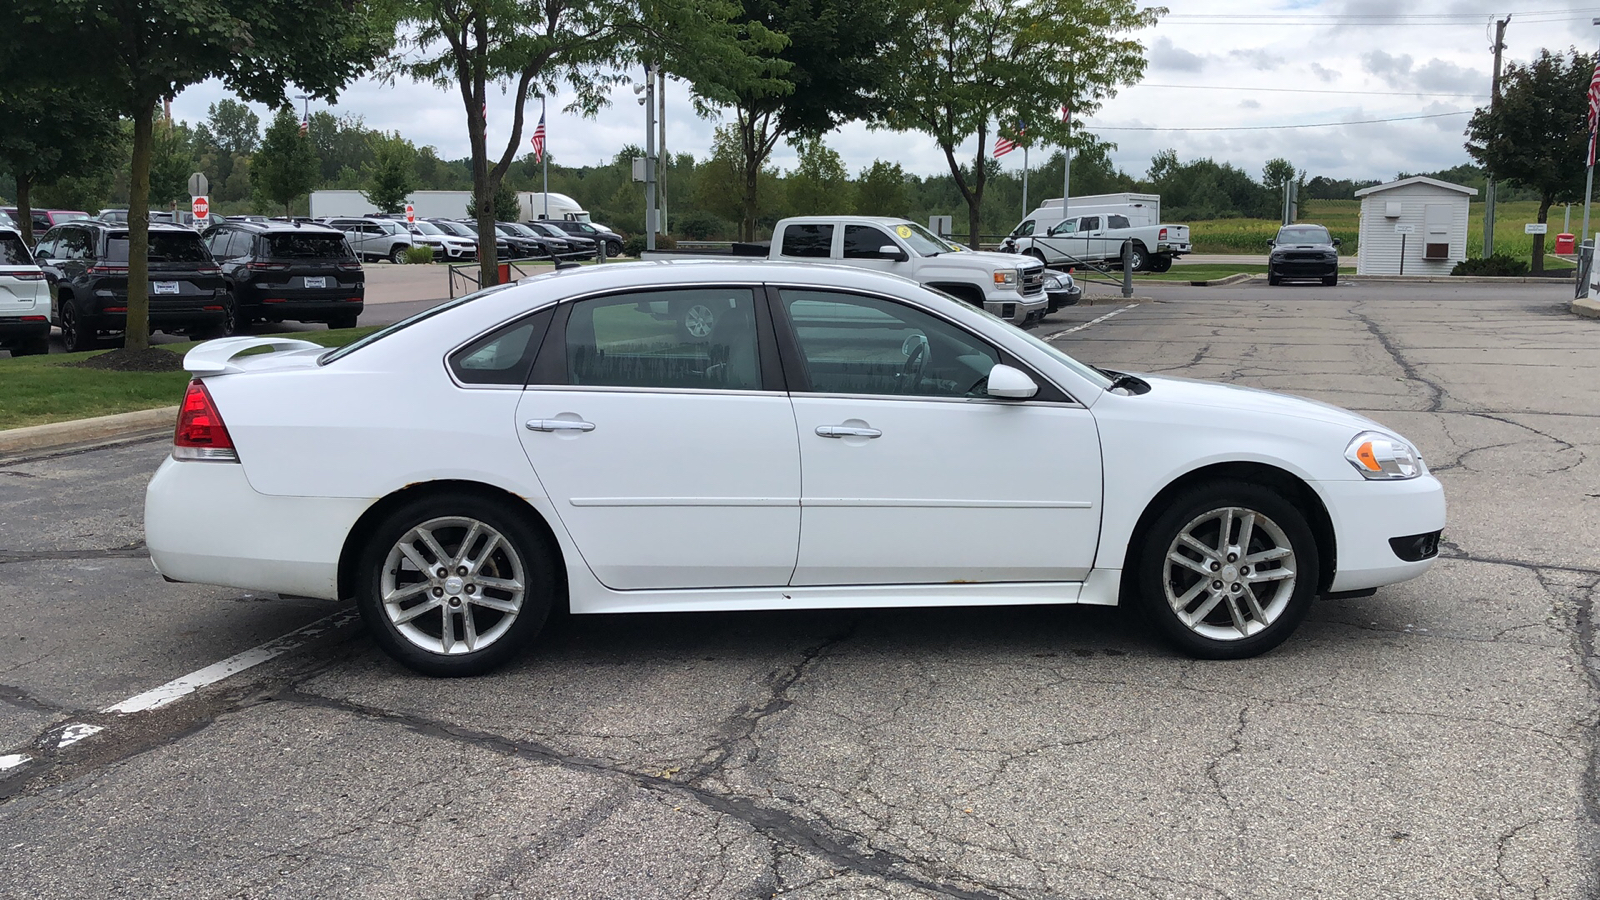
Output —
<point x="1434" y="740"/>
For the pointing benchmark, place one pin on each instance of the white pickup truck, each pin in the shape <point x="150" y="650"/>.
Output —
<point x="1095" y="230"/>
<point x="1008" y="286"/>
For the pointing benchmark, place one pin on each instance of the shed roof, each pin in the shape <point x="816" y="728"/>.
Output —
<point x="1417" y="179"/>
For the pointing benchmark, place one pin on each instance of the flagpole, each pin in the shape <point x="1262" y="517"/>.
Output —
<point x="1066" y="180"/>
<point x="544" y="157"/>
<point x="1024" y="180"/>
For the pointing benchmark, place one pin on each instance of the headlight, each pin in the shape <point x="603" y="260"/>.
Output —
<point x="1052" y="283"/>
<point x="1382" y="457"/>
<point x="1005" y="278"/>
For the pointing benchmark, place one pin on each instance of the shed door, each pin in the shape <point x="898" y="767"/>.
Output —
<point x="1436" y="221"/>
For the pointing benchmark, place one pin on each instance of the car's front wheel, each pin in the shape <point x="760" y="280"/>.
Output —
<point x="397" y="255"/>
<point x="1273" y="278"/>
<point x="1227" y="571"/>
<point x="455" y="585"/>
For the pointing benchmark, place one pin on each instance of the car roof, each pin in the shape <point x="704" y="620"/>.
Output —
<point x="282" y="227"/>
<point x="851" y="220"/>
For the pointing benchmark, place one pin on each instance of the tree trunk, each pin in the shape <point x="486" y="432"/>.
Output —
<point x="138" y="328"/>
<point x="747" y="228"/>
<point x="1538" y="239"/>
<point x="25" y="208"/>
<point x="973" y="194"/>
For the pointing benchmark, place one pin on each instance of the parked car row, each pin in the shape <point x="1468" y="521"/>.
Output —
<point x="207" y="285"/>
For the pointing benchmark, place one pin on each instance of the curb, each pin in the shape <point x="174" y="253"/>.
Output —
<point x="1235" y="278"/>
<point x="80" y="431"/>
<point x="1587" y="307"/>
<point x="1459" y="279"/>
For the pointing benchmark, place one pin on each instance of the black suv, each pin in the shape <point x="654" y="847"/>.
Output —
<point x="88" y="262"/>
<point x="613" y="241"/>
<point x="1303" y="253"/>
<point x="577" y="246"/>
<point x="289" y="271"/>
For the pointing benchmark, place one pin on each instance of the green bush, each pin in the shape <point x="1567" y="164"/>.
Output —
<point x="1498" y="264"/>
<point x="635" y="245"/>
<point x="417" y="254"/>
<point x="698" y="225"/>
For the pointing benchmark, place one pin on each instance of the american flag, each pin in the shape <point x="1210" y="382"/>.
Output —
<point x="305" y="127"/>
<point x="1594" y="110"/>
<point x="1066" y="113"/>
<point x="1002" y="146"/>
<point x="538" y="140"/>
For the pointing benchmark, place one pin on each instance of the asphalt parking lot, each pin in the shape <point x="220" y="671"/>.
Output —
<point x="1436" y="740"/>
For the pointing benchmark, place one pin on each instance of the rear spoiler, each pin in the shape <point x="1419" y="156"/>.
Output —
<point x="216" y="357"/>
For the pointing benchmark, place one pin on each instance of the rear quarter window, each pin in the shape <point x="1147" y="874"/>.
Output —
<point x="808" y="240"/>
<point x="13" y="252"/>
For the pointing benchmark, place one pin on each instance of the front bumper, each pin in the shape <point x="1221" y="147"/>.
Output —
<point x="204" y="523"/>
<point x="1303" y="268"/>
<point x="1064" y="298"/>
<point x="1015" y="308"/>
<point x="1367" y="515"/>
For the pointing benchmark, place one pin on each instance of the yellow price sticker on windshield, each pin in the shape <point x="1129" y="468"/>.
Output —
<point x="903" y="230"/>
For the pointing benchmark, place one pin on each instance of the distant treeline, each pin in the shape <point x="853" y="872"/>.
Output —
<point x="702" y="199"/>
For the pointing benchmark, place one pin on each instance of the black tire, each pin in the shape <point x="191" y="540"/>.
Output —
<point x="397" y="254"/>
<point x="228" y="327"/>
<point x="1273" y="278"/>
<point x="33" y="346"/>
<point x="75" y="337"/>
<point x="1036" y="254"/>
<point x="1138" y="257"/>
<point x="1161" y="262"/>
<point x="614" y="249"/>
<point x="1197" y="511"/>
<point x="344" y="321"/>
<point x="447" y="516"/>
<point x="1331" y="280"/>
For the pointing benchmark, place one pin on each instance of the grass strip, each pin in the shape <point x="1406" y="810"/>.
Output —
<point x="36" y="390"/>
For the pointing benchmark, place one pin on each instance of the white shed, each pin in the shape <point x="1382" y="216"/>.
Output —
<point x="1426" y="216"/>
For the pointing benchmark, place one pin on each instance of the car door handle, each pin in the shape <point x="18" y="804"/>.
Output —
<point x="559" y="425"/>
<point x="839" y="431"/>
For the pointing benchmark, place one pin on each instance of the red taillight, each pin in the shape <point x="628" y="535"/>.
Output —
<point x="121" y="309"/>
<point x="108" y="270"/>
<point x="24" y="276"/>
<point x="34" y="319"/>
<point x="266" y="267"/>
<point x="275" y="300"/>
<point x="201" y="434"/>
<point x="351" y="266"/>
<point x="210" y="270"/>
<point x="1163" y="234"/>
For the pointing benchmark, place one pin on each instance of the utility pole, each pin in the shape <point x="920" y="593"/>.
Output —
<point x="1494" y="105"/>
<point x="661" y="148"/>
<point x="649" y="101"/>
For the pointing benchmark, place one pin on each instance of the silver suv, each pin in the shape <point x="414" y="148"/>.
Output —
<point x="374" y="238"/>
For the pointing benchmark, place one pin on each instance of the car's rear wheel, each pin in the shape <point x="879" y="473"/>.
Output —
<point x="1228" y="571"/>
<point x="614" y="248"/>
<point x="32" y="346"/>
<point x="1161" y="262"/>
<point x="228" y="327"/>
<point x="456" y="585"/>
<point x="344" y="321"/>
<point x="75" y="334"/>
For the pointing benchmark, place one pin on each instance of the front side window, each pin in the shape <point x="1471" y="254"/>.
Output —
<point x="853" y="344"/>
<point x="864" y="242"/>
<point x="1065" y="226"/>
<point x="808" y="240"/>
<point x="699" y="338"/>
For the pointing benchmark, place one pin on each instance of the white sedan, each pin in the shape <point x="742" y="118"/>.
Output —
<point x="839" y="438"/>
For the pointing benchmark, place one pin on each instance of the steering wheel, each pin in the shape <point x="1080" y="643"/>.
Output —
<point x="911" y="373"/>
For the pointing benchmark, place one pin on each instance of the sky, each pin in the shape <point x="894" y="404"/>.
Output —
<point x="1213" y="64"/>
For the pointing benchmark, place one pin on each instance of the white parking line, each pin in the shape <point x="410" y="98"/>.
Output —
<point x="1066" y="331"/>
<point x="233" y="665"/>
<point x="12" y="760"/>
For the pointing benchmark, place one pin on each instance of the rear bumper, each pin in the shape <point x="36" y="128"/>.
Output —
<point x="14" y="330"/>
<point x="1367" y="515"/>
<point x="204" y="523"/>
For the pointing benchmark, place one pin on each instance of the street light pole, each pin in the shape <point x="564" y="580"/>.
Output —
<point x="1588" y="187"/>
<point x="1494" y="104"/>
<point x="649" y="159"/>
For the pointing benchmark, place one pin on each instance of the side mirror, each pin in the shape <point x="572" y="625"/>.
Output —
<point x="890" y="251"/>
<point x="41" y="254"/>
<point x="1337" y="242"/>
<point x="1010" y="384"/>
<point x="1271" y="243"/>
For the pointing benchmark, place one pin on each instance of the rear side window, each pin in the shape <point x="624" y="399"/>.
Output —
<point x="307" y="246"/>
<point x="808" y="240"/>
<point x="165" y="246"/>
<point x="504" y="356"/>
<point x="13" y="252"/>
<point x="1117" y="222"/>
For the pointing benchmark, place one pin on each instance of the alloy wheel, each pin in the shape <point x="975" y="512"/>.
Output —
<point x="453" y="585"/>
<point x="1229" y="573"/>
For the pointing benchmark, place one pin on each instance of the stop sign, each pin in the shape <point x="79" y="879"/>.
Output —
<point x="411" y="213"/>
<point x="202" y="208"/>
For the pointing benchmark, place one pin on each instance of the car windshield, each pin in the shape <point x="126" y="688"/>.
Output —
<point x="403" y="324"/>
<point x="69" y="217"/>
<point x="525" y="231"/>
<point x="1088" y="373"/>
<point x="165" y="246"/>
<point x="452" y="228"/>
<point x="922" y="241"/>
<point x="1304" y="234"/>
<point x="307" y="246"/>
<point x="13" y="252"/>
<point x="425" y="228"/>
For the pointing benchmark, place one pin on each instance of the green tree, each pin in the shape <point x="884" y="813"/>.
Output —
<point x="820" y="184"/>
<point x="504" y="205"/>
<point x="532" y="45"/>
<point x="965" y="64"/>
<point x="141" y="51"/>
<point x="171" y="163"/>
<point x="285" y="167"/>
<point x="1537" y="136"/>
<point x="51" y="133"/>
<point x="830" y="70"/>
<point x="393" y="175"/>
<point x="234" y="127"/>
<point x="881" y="190"/>
<point x="1277" y="173"/>
<point x="342" y="142"/>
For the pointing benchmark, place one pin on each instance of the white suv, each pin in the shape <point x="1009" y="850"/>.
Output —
<point x="24" y="298"/>
<point x="374" y="238"/>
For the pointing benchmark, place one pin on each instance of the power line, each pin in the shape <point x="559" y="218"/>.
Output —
<point x="1462" y="112"/>
<point x="1222" y="87"/>
<point x="1385" y="21"/>
<point x="1320" y="18"/>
